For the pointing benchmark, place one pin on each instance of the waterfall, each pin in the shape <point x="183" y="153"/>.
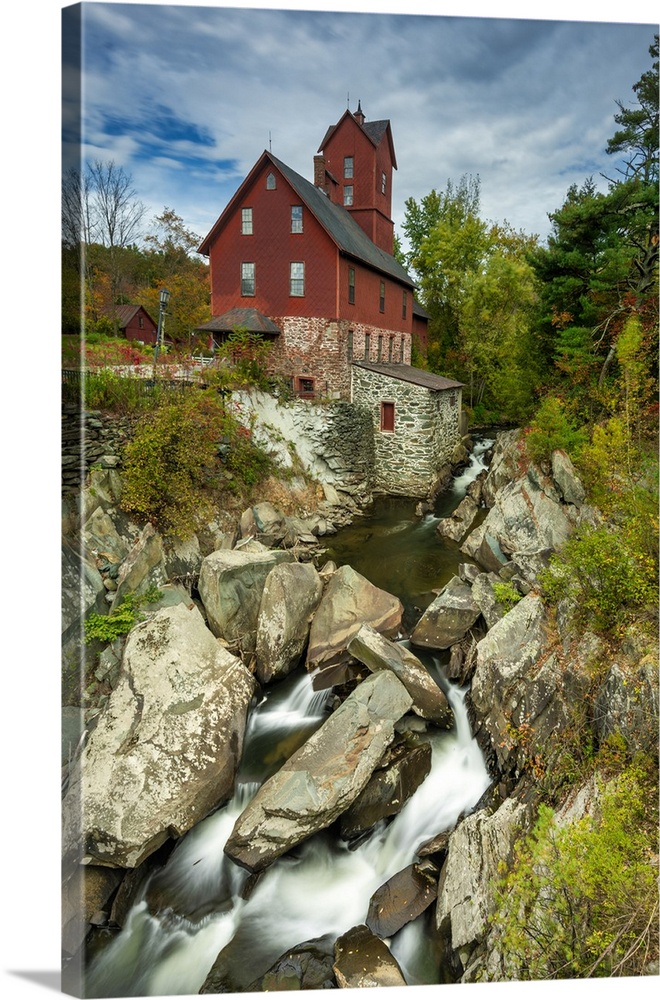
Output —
<point x="193" y="907"/>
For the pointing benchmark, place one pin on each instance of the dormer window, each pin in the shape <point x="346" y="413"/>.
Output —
<point x="270" y="182"/>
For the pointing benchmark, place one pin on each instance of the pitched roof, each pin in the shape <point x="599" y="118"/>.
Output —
<point x="126" y="313"/>
<point x="419" y="310"/>
<point x="247" y="319"/>
<point x="374" y="131"/>
<point x="406" y="373"/>
<point x="342" y="228"/>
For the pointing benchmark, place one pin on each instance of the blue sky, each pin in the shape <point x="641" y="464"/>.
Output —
<point x="187" y="97"/>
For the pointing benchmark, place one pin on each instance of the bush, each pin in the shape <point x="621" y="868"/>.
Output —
<point x="605" y="576"/>
<point x="582" y="899"/>
<point x="506" y="595"/>
<point x="551" y="429"/>
<point x="120" y="621"/>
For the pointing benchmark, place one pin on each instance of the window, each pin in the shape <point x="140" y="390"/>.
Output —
<point x="141" y="322"/>
<point x="296" y="218"/>
<point x="401" y="358"/>
<point x="382" y="296"/>
<point x="270" y="182"/>
<point x="247" y="279"/>
<point x="351" y="285"/>
<point x="297" y="278"/>
<point x="348" y="194"/>
<point x="380" y="347"/>
<point x="383" y="183"/>
<point x="305" y="386"/>
<point x="348" y="166"/>
<point x="367" y="346"/>
<point x="391" y="348"/>
<point x="246" y="221"/>
<point x="349" y="345"/>
<point x="387" y="417"/>
<point x="405" y="304"/>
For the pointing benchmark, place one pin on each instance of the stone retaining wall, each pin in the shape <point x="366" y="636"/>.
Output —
<point x="90" y="438"/>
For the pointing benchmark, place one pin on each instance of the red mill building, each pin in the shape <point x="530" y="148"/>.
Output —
<point x="310" y="267"/>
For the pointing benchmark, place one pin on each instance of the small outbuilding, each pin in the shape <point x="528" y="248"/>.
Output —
<point x="136" y="324"/>
<point x="417" y="424"/>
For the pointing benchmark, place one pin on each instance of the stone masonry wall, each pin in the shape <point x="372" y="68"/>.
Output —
<point x="89" y="438"/>
<point x="412" y="459"/>
<point x="322" y="349"/>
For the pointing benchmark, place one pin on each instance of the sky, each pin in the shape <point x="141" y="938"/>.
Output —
<point x="463" y="95"/>
<point x="186" y="98"/>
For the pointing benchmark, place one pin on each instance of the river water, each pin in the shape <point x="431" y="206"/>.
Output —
<point x="193" y="907"/>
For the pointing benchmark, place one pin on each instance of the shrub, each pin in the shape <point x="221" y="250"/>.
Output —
<point x="582" y="899"/>
<point x="120" y="621"/>
<point x="506" y="595"/>
<point x="550" y="429"/>
<point x="604" y="575"/>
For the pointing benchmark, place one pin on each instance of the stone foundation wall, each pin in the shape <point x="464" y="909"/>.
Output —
<point x="411" y="459"/>
<point x="90" y="438"/>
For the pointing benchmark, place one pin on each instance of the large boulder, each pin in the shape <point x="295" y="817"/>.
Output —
<point x="402" y="898"/>
<point x="505" y="465"/>
<point x="308" y="966"/>
<point x="323" y="777"/>
<point x="379" y="653"/>
<point x="566" y="479"/>
<point x="457" y="524"/>
<point x="477" y="848"/>
<point x="231" y="584"/>
<point x="143" y="567"/>
<point x="518" y="692"/>
<point x="448" y="618"/>
<point x="291" y="595"/>
<point x="349" y="602"/>
<point x="363" y="960"/>
<point x="166" y="749"/>
<point x="405" y="766"/>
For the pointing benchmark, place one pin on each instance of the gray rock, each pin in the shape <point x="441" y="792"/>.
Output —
<point x="183" y="558"/>
<point x="379" y="653"/>
<point x="324" y="777"/>
<point x="566" y="479"/>
<point x="448" y="617"/>
<point x="402" y="898"/>
<point x="290" y="597"/>
<point x="308" y="966"/>
<point x="459" y="522"/>
<point x="504" y="466"/>
<point x="363" y="960"/>
<point x="231" y="584"/>
<point x="101" y="538"/>
<point x="143" y="567"/>
<point x="484" y="595"/>
<point x="166" y="749"/>
<point x="403" y="769"/>
<point x="349" y="601"/>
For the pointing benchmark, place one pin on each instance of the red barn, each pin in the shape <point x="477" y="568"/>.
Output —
<point x="135" y="323"/>
<point x="310" y="265"/>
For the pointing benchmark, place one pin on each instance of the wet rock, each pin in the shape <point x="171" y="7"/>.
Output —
<point x="402" y="898"/>
<point x="308" y="966"/>
<point x="379" y="653"/>
<point x="349" y="602"/>
<point x="484" y="547"/>
<point x="231" y="584"/>
<point x="166" y="748"/>
<point x="85" y="892"/>
<point x="290" y="597"/>
<point x="324" y="777"/>
<point x="404" y="767"/>
<point x="459" y="522"/>
<point x="362" y="960"/>
<point x="448" y="617"/>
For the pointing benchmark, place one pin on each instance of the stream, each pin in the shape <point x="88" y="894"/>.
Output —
<point x="193" y="907"/>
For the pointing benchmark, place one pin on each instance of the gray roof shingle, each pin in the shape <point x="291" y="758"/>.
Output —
<point x="406" y="373"/>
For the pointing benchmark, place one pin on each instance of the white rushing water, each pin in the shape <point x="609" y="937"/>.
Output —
<point x="323" y="890"/>
<point x="196" y="909"/>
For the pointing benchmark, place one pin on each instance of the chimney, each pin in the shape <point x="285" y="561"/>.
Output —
<point x="319" y="171"/>
<point x="358" y="115"/>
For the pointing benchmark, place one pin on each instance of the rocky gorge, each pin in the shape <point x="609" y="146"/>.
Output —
<point x="155" y="741"/>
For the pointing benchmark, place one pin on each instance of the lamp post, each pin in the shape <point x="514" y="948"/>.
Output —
<point x="164" y="299"/>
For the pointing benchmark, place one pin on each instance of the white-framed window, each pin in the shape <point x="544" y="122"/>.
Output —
<point x="246" y="221"/>
<point x="271" y="183"/>
<point x="248" y="278"/>
<point x="348" y="167"/>
<point x="348" y="194"/>
<point x="296" y="218"/>
<point x="297" y="278"/>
